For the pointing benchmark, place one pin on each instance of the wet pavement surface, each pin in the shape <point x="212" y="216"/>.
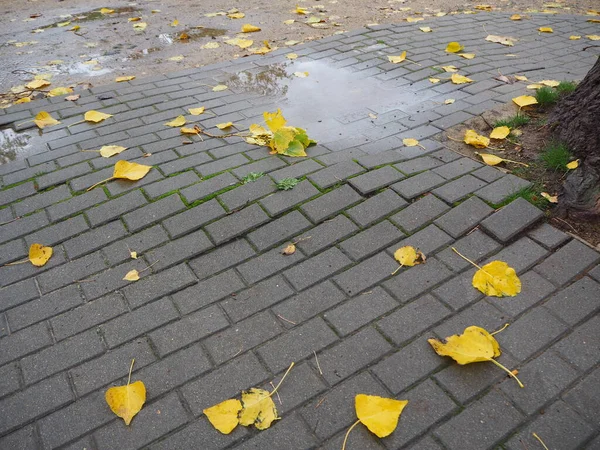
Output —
<point x="219" y="309"/>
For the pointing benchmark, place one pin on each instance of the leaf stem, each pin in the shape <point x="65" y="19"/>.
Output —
<point x="23" y="261"/>
<point x="348" y="432"/>
<point x="75" y="123"/>
<point x="130" y="369"/>
<point x="541" y="442"/>
<point x="399" y="267"/>
<point x="501" y="329"/>
<point x="507" y="371"/>
<point x="468" y="260"/>
<point x="281" y="381"/>
<point x="98" y="183"/>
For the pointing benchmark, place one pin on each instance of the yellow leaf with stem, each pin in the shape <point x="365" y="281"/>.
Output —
<point x="460" y="79"/>
<point x="545" y="30"/>
<point x="222" y="126"/>
<point x="39" y="255"/>
<point x="493" y="160"/>
<point x="23" y="100"/>
<point x="248" y="28"/>
<point x="397" y="59"/>
<point x="467" y="55"/>
<point x="194" y="130"/>
<point x="126" y="78"/>
<point x="409" y="142"/>
<point x="224" y="416"/>
<point x="132" y="275"/>
<point x="220" y="87"/>
<point x="126" y="170"/>
<point x="454" y="47"/>
<point x="500" y="132"/>
<point x="275" y="120"/>
<point x="175" y="23"/>
<point x="593" y="37"/>
<point x="44" y="119"/>
<point x="476" y="140"/>
<point x="409" y="256"/>
<point x="37" y="84"/>
<point x="179" y="121"/>
<point x="96" y="116"/>
<point x="197" y="111"/>
<point x="110" y="150"/>
<point x="126" y="401"/>
<point x="573" y="165"/>
<point x="474" y="345"/>
<point x="59" y="91"/>
<point x="425" y="29"/>
<point x="524" y="100"/>
<point x="379" y="414"/>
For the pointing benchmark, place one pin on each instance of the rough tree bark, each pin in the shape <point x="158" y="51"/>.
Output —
<point x="576" y="122"/>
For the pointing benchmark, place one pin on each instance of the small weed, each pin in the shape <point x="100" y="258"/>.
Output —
<point x="252" y="176"/>
<point x="513" y="122"/>
<point x="437" y="69"/>
<point x="531" y="194"/>
<point x="379" y="41"/>
<point x="287" y="183"/>
<point x="566" y="87"/>
<point x="546" y="96"/>
<point x="556" y="155"/>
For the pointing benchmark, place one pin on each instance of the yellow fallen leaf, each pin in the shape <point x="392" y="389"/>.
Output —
<point x="289" y="250"/>
<point x="91" y="62"/>
<point x="483" y="7"/>
<point x="175" y="23"/>
<point x="593" y="20"/>
<point x="500" y="132"/>
<point x="408" y="142"/>
<point x="550" y="198"/>
<point x="63" y="24"/>
<point x="474" y="345"/>
<point x="574" y="38"/>
<point x="107" y="11"/>
<point x="194" y="130"/>
<point x="177" y="122"/>
<point x="275" y="120"/>
<point x="290" y="43"/>
<point x="23" y="100"/>
<point x="176" y="58"/>
<point x="59" y="91"/>
<point x="127" y="78"/>
<point x="224" y="416"/>
<point x="372" y="116"/>
<point x="467" y="55"/>
<point x="127" y="171"/>
<point x="248" y="28"/>
<point x="380" y="415"/>
<point x="460" y="79"/>
<point x="258" y="409"/>
<point x="289" y="21"/>
<point x="39" y="255"/>
<point x="300" y="10"/>
<point x="573" y="165"/>
<point x="96" y="116"/>
<point x="545" y="30"/>
<point x="535" y="86"/>
<point x="515" y="17"/>
<point x="140" y="26"/>
<point x="133" y="254"/>
<point x="450" y="69"/>
<point x="196" y="111"/>
<point x="301" y="74"/>
<point x="550" y="83"/>
<point x="75" y="28"/>
<point x="509" y="42"/>
<point x="126" y="401"/>
<point x="414" y="19"/>
<point x="291" y="56"/>
<point x="425" y="29"/>
<point x="397" y="59"/>
<point x="211" y="45"/>
<point x="434" y="80"/>
<point x="409" y="256"/>
<point x="222" y="126"/>
<point x="134" y="19"/>
<point x="110" y="150"/>
<point x="524" y="100"/>
<point x="44" y="119"/>
<point x="593" y="37"/>
<point x="520" y="77"/>
<point x="497" y="279"/>
<point x="37" y="84"/>
<point x="454" y="47"/>
<point x="132" y="275"/>
<point x="38" y="30"/>
<point x="476" y="140"/>
<point x="219" y="87"/>
<point x="238" y="15"/>
<point x="183" y="37"/>
<point x="449" y="101"/>
<point x="490" y="160"/>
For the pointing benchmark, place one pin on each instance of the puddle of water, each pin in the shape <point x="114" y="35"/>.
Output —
<point x="141" y="53"/>
<point x="193" y="35"/>
<point x="93" y="15"/>
<point x="13" y="145"/>
<point x="80" y="68"/>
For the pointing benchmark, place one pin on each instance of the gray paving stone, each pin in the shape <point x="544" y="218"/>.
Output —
<point x="154" y="212"/>
<point x="512" y="219"/>
<point x="208" y="187"/>
<point x="178" y="250"/>
<point x="580" y="347"/>
<point x="317" y="268"/>
<point x="193" y="218"/>
<point x="75" y="205"/>
<point x="247" y="193"/>
<point x="458" y="189"/>
<point x="296" y="170"/>
<point x="521" y="255"/>
<point x="595" y="273"/>
<point x="326" y="234"/>
<point x="464" y="217"/>
<point x="155" y="190"/>
<point x="10" y="378"/>
<point x="331" y="203"/>
<point x="419" y="213"/>
<point x="279" y="230"/>
<point x="488" y="174"/>
<point x="492" y="409"/>
<point x="267" y="264"/>
<point x="418" y="184"/>
<point x="199" y="433"/>
<point x="560" y="425"/>
<point x="290" y="433"/>
<point x="41" y="200"/>
<point x="24" y="342"/>
<point x="220" y="165"/>
<point x="376" y="207"/>
<point x="71" y="272"/>
<point x="221" y="258"/>
<point x="264" y="165"/>
<point x="428" y="240"/>
<point x="476" y="246"/>
<point x="584" y="397"/>
<point x="23" y="226"/>
<point x="548" y="236"/>
<point x="414" y="281"/>
<point x="576" y="302"/>
<point x="580" y="257"/>
<point x="115" y="208"/>
<point x="502" y="188"/>
<point x="376" y="179"/>
<point x="63" y="175"/>
<point x="371" y="240"/>
<point x="282" y="201"/>
<point x="237" y="224"/>
<point x="418" y="165"/>
<point x="380" y="159"/>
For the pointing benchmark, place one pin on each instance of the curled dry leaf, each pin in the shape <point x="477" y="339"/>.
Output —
<point x="474" y="345"/>
<point x="141" y="26"/>
<point x="224" y="125"/>
<point x="224" y="416"/>
<point x="409" y="256"/>
<point x="425" y="29"/>
<point x="37" y="84"/>
<point x="39" y="255"/>
<point x="467" y="55"/>
<point x="476" y="140"/>
<point x="545" y="30"/>
<point x="497" y="279"/>
<point x="524" y="100"/>
<point x="179" y="121"/>
<point x="449" y="101"/>
<point x="593" y="37"/>
<point x="434" y="80"/>
<point x="126" y="401"/>
<point x="509" y="42"/>
<point x="574" y="38"/>
<point x="515" y="17"/>
<point x="289" y="250"/>
<point x="450" y="69"/>
<point x="132" y="275"/>
<point x="550" y="198"/>
<point x="291" y="56"/>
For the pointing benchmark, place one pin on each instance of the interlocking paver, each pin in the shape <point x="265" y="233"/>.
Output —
<point x="221" y="310"/>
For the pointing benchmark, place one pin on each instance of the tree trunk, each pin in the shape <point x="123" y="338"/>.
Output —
<point x="576" y="122"/>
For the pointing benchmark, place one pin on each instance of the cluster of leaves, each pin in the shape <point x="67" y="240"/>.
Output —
<point x="282" y="139"/>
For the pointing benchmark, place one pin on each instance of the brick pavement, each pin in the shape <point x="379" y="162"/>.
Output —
<point x="222" y="310"/>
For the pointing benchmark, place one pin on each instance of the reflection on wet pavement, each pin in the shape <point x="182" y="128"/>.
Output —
<point x="13" y="145"/>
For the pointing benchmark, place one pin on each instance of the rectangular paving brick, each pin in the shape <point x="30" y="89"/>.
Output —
<point x="365" y="274"/>
<point x="580" y="257"/>
<point x="512" y="219"/>
<point x="457" y="168"/>
<point x="23" y="226"/>
<point x="154" y="212"/>
<point x="419" y="213"/>
<point x="502" y="188"/>
<point x="418" y="184"/>
<point x="458" y="189"/>
<point x="236" y="224"/>
<point x="336" y="173"/>
<point x="326" y="234"/>
<point x="208" y="187"/>
<point x="576" y="302"/>
<point x="331" y="203"/>
<point x="264" y="165"/>
<point x="71" y="272"/>
<point x="297" y="170"/>
<point x="256" y="298"/>
<point x="317" y="268"/>
<point x="118" y="252"/>
<point x="169" y="184"/>
<point x="41" y="200"/>
<point x="282" y="201"/>
<point x="62" y="175"/>
<point x="221" y="258"/>
<point x="279" y="230"/>
<point x="548" y="236"/>
<point x="296" y="344"/>
<point x="376" y="207"/>
<point x="371" y="240"/>
<point x="376" y="179"/>
<point x="464" y="217"/>
<point x="221" y="164"/>
<point x="16" y="345"/>
<point x="247" y="193"/>
<point x="179" y="250"/>
<point x="414" y="281"/>
<point x="115" y="208"/>
<point x="94" y="239"/>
